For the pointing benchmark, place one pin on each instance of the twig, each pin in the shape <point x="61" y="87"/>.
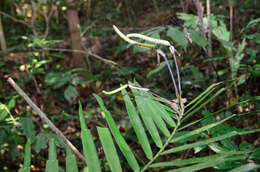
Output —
<point x="200" y="12"/>
<point x="85" y="52"/>
<point x="161" y="53"/>
<point x="16" y="20"/>
<point x="209" y="30"/>
<point x="230" y="19"/>
<point x="2" y="36"/>
<point x="44" y="117"/>
<point x="172" y="50"/>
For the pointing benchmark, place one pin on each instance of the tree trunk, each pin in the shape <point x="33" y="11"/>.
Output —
<point x="2" y="36"/>
<point x="77" y="59"/>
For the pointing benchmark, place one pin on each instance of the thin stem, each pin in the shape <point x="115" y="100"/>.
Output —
<point x="172" y="50"/>
<point x="162" y="149"/>
<point x="45" y="118"/>
<point x="160" y="52"/>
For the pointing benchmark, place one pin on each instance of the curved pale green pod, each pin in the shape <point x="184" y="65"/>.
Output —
<point x="137" y="125"/>
<point x="125" y="149"/>
<point x="109" y="149"/>
<point x="89" y="148"/>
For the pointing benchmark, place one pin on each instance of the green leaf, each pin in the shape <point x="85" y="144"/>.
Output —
<point x="200" y="143"/>
<point x="27" y="154"/>
<point x="177" y="36"/>
<point x="125" y="149"/>
<point x="221" y="32"/>
<point x="190" y="113"/>
<point x="198" y="39"/>
<point x="162" y="68"/>
<point x="252" y="23"/>
<point x="244" y="168"/>
<point x="88" y="145"/>
<point x="190" y="20"/>
<point x="150" y="107"/>
<point x="41" y="142"/>
<point x="198" y="131"/>
<point x="137" y="125"/>
<point x="109" y="149"/>
<point x="147" y="119"/>
<point x="209" y="89"/>
<point x="28" y="127"/>
<point x="186" y="161"/>
<point x="256" y="154"/>
<point x="58" y="79"/>
<point x="71" y="93"/>
<point x="71" y="162"/>
<point x="27" y="157"/>
<point x="208" y="164"/>
<point x="52" y="164"/>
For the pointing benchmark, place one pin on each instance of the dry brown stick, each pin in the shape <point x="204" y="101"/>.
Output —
<point x="200" y="11"/>
<point x="15" y="20"/>
<point x="44" y="117"/>
<point x="209" y="30"/>
<point x="230" y="19"/>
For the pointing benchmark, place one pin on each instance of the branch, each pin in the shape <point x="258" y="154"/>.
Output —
<point x="15" y="20"/>
<point x="44" y="117"/>
<point x="200" y="11"/>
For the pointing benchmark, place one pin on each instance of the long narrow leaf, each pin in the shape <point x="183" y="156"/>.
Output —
<point x="204" y="104"/>
<point x="52" y="163"/>
<point x="148" y="121"/>
<point x="89" y="148"/>
<point x="27" y="157"/>
<point x="208" y="141"/>
<point x="109" y="149"/>
<point x="160" y="109"/>
<point x="200" y="143"/>
<point x="209" y="89"/>
<point x="197" y="131"/>
<point x="186" y="161"/>
<point x="244" y="168"/>
<point x="125" y="149"/>
<point x="208" y="164"/>
<point x="199" y="159"/>
<point x="71" y="163"/>
<point x="137" y="125"/>
<point x="156" y="109"/>
<point x="149" y="108"/>
<point x="199" y="101"/>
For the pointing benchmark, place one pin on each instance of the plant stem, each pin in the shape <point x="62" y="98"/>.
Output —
<point x="160" y="52"/>
<point x="162" y="149"/>
<point x="44" y="117"/>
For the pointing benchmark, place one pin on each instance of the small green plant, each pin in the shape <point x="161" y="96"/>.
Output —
<point x="70" y="79"/>
<point x="163" y="127"/>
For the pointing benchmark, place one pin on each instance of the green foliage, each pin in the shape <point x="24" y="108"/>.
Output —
<point x="71" y="79"/>
<point x="27" y="158"/>
<point x="71" y="162"/>
<point x="177" y="36"/>
<point x="52" y="162"/>
<point x="88" y="145"/>
<point x="153" y="123"/>
<point x="109" y="148"/>
<point x="28" y="128"/>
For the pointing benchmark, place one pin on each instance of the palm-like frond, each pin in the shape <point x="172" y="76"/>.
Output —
<point x="151" y="117"/>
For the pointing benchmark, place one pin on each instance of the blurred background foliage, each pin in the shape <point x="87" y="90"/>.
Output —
<point x="58" y="64"/>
